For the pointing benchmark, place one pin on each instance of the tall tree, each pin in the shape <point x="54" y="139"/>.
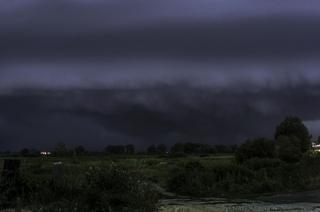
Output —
<point x="293" y="126"/>
<point x="288" y="149"/>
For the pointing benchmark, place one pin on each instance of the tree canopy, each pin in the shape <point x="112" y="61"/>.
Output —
<point x="288" y="149"/>
<point x="293" y="126"/>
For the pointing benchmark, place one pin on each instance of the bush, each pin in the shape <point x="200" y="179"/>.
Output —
<point x="178" y="155"/>
<point x="293" y="127"/>
<point x="262" y="163"/>
<point x="311" y="158"/>
<point x="288" y="149"/>
<point x="9" y="190"/>
<point x="254" y="176"/>
<point x="191" y="180"/>
<point x="118" y="189"/>
<point x="223" y="179"/>
<point x="99" y="189"/>
<point x="256" y="148"/>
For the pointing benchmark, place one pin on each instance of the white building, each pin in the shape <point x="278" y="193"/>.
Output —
<point x="45" y="153"/>
<point x="316" y="147"/>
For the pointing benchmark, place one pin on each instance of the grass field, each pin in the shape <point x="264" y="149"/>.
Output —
<point x="138" y="182"/>
<point x="135" y="182"/>
<point x="154" y="168"/>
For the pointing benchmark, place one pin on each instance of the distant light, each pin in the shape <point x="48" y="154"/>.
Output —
<point x="316" y="147"/>
<point x="45" y="153"/>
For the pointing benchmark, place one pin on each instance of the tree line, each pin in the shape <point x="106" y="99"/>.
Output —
<point x="291" y="140"/>
<point x="177" y="149"/>
<point x="284" y="163"/>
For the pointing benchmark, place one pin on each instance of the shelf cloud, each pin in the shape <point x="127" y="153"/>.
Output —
<point x="148" y="72"/>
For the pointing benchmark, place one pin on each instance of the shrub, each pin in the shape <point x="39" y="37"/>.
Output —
<point x="256" y="148"/>
<point x="262" y="163"/>
<point x="195" y="180"/>
<point x="288" y="149"/>
<point x="294" y="127"/>
<point x="99" y="189"/>
<point x="118" y="189"/>
<point x="311" y="158"/>
<point x="192" y="180"/>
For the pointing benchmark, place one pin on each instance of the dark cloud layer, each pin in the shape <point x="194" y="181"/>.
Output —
<point x="112" y="29"/>
<point x="162" y="114"/>
<point x="270" y="38"/>
<point x="98" y="72"/>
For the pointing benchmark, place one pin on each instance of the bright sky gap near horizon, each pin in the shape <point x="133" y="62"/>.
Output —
<point x="97" y="72"/>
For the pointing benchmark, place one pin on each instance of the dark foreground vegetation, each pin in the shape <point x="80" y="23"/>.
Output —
<point x="254" y="176"/>
<point x="119" y="179"/>
<point x="261" y="166"/>
<point x="103" y="188"/>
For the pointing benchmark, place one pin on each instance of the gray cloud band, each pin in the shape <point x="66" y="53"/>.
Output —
<point x="268" y="38"/>
<point x="147" y="72"/>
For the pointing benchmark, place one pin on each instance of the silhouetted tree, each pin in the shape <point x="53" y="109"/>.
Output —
<point x="192" y="148"/>
<point x="25" y="152"/>
<point x="256" y="148"/>
<point x="130" y="149"/>
<point x="80" y="150"/>
<point x="288" y="149"/>
<point x="161" y="148"/>
<point x="198" y="148"/>
<point x="177" y="148"/>
<point x="220" y="148"/>
<point x="234" y="148"/>
<point x="60" y="149"/>
<point x="293" y="126"/>
<point x="212" y="150"/>
<point x="208" y="149"/>
<point x="115" y="149"/>
<point x="29" y="152"/>
<point x="152" y="149"/>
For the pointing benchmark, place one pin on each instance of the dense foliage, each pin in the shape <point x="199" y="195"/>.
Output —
<point x="110" y="188"/>
<point x="254" y="176"/>
<point x="288" y="149"/>
<point x="262" y="165"/>
<point x="294" y="127"/>
<point x="120" y="179"/>
<point x="198" y="148"/>
<point x="256" y="148"/>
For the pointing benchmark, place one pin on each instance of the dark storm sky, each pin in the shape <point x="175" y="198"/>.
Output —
<point x="96" y="72"/>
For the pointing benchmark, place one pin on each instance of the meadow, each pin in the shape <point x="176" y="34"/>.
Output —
<point x="138" y="182"/>
<point x="155" y="168"/>
<point x="120" y="179"/>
